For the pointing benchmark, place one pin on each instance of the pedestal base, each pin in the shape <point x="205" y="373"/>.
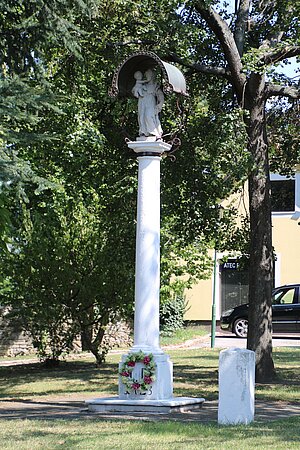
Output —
<point x="114" y="404"/>
<point x="160" y="389"/>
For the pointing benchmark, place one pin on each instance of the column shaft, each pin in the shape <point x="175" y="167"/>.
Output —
<point x="147" y="281"/>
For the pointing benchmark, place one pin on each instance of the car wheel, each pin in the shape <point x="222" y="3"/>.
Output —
<point x="240" y="327"/>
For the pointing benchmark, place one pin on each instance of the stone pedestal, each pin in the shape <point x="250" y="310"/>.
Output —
<point x="236" y="386"/>
<point x="161" y="388"/>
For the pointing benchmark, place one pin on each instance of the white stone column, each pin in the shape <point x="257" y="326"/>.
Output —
<point x="159" y="396"/>
<point x="147" y="264"/>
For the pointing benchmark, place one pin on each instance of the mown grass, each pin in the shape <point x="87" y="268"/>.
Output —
<point x="184" y="334"/>
<point x="125" y="435"/>
<point x="195" y="374"/>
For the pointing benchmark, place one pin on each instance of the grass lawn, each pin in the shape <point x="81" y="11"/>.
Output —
<point x="184" y="334"/>
<point x="195" y="374"/>
<point x="125" y="435"/>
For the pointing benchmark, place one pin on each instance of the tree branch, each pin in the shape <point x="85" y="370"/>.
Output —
<point x="210" y="70"/>
<point x="226" y="39"/>
<point x="280" y="54"/>
<point x="282" y="91"/>
<point x="241" y="25"/>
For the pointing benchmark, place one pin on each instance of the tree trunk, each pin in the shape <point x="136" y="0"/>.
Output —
<point x="93" y="343"/>
<point x="261" y="252"/>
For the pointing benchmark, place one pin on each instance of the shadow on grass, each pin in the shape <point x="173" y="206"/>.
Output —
<point x="68" y="377"/>
<point x="278" y="433"/>
<point x="195" y="375"/>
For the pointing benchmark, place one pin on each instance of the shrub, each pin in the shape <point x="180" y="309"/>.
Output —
<point x="172" y="312"/>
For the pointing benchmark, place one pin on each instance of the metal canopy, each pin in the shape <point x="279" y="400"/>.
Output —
<point x="123" y="79"/>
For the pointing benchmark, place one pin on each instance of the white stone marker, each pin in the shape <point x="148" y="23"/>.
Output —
<point x="236" y="386"/>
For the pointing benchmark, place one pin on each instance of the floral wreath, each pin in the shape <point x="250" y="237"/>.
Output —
<point x="127" y="367"/>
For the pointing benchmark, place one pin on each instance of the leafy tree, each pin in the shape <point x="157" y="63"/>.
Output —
<point x="87" y="155"/>
<point x="248" y="42"/>
<point x="28" y="32"/>
<point x="66" y="277"/>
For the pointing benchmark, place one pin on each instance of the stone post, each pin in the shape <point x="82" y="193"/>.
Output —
<point x="236" y="386"/>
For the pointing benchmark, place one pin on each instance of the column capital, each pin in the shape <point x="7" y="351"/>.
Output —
<point x="149" y="147"/>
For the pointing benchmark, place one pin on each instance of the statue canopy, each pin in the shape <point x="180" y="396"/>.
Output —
<point x="123" y="79"/>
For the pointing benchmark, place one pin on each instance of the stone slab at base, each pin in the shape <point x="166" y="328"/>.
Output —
<point x="175" y="404"/>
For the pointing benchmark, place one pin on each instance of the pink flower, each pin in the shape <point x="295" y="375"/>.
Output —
<point x="125" y="374"/>
<point x="146" y="360"/>
<point x="135" y="386"/>
<point x="131" y="364"/>
<point x="147" y="380"/>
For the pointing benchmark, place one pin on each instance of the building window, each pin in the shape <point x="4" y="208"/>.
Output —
<point x="283" y="195"/>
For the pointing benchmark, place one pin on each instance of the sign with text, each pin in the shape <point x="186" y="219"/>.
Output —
<point x="230" y="265"/>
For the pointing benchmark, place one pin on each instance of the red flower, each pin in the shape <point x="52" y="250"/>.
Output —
<point x="125" y="374"/>
<point x="136" y="386"/>
<point x="147" y="380"/>
<point x="131" y="364"/>
<point x="146" y="360"/>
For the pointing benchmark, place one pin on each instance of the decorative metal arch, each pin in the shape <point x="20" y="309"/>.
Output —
<point x="123" y="79"/>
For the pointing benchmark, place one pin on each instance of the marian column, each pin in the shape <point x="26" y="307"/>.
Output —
<point x="149" y="147"/>
<point x="146" y="372"/>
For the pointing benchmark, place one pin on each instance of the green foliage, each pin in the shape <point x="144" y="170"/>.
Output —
<point x="172" y="312"/>
<point x="283" y="124"/>
<point x="21" y="103"/>
<point x="31" y="28"/>
<point x="28" y="31"/>
<point x="69" y="276"/>
<point x="74" y="243"/>
<point x="51" y="342"/>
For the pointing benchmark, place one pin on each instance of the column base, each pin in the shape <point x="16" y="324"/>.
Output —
<point x="115" y="404"/>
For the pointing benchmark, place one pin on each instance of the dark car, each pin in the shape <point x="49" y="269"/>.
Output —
<point x="285" y="310"/>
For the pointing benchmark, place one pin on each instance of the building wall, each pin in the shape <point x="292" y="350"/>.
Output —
<point x="13" y="342"/>
<point x="286" y="239"/>
<point x="286" y="242"/>
<point x="199" y="300"/>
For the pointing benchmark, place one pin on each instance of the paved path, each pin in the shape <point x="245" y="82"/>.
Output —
<point x="62" y="408"/>
<point x="224" y="340"/>
<point x="228" y="340"/>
